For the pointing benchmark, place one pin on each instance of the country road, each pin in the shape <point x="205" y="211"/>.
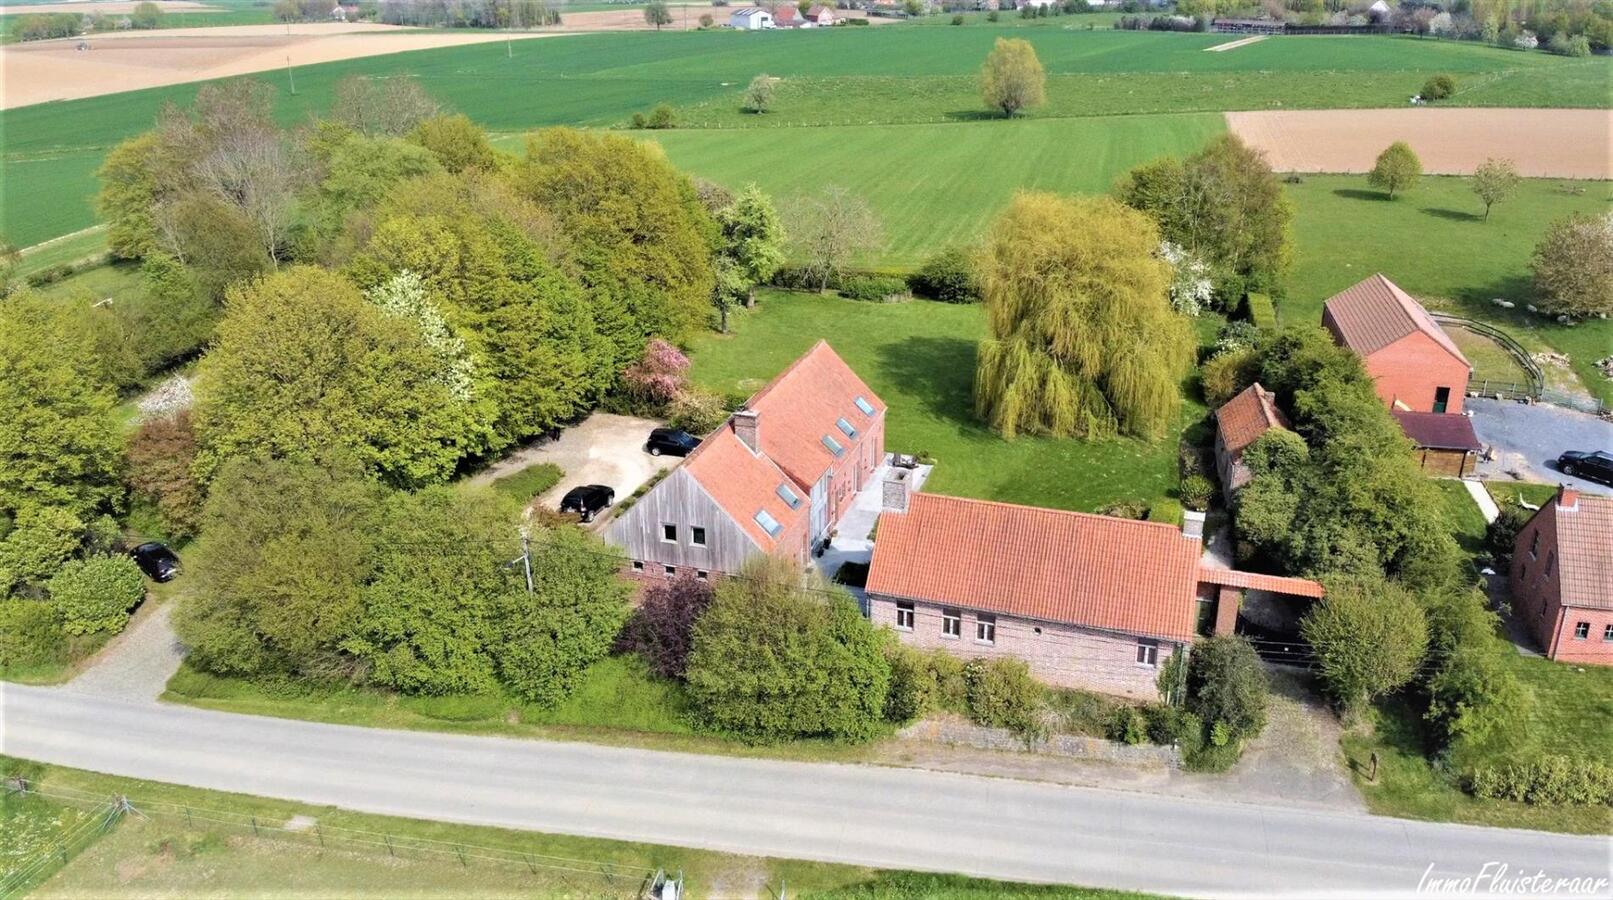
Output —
<point x="886" y="817"/>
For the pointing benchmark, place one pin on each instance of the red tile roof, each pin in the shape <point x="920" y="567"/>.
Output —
<point x="784" y="14"/>
<point x="1294" y="587"/>
<point x="1439" y="431"/>
<point x="1584" y="549"/>
<point x="1247" y="416"/>
<point x="742" y="482"/>
<point x="797" y="408"/>
<point x="1375" y="313"/>
<point x="1092" y="571"/>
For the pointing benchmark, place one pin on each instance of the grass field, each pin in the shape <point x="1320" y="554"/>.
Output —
<point x="196" y="843"/>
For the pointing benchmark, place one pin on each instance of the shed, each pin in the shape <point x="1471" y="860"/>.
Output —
<point x="750" y="18"/>
<point x="1446" y="444"/>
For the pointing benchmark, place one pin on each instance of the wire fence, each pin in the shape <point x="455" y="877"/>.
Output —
<point x="577" y="876"/>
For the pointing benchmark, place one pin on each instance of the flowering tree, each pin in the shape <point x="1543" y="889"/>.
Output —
<point x="1191" y="286"/>
<point x="660" y="375"/>
<point x="404" y="295"/>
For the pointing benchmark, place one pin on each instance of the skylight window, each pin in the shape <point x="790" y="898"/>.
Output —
<point x="768" y="523"/>
<point x="846" y="429"/>
<point x="865" y="406"/>
<point x="789" y="496"/>
<point x="834" y="446"/>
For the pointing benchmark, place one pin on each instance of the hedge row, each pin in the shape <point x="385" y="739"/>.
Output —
<point x="1547" y="781"/>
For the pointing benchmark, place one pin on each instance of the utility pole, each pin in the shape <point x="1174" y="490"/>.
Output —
<point x="526" y="558"/>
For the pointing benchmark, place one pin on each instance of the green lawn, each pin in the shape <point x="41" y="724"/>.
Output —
<point x="197" y="843"/>
<point x="528" y="483"/>
<point x="920" y="357"/>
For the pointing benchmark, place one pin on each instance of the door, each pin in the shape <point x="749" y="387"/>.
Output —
<point x="1442" y="399"/>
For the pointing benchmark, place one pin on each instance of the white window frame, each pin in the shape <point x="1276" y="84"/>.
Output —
<point x="905" y="616"/>
<point x="1148" y="653"/>
<point x="1582" y="631"/>
<point x="952" y="624"/>
<point x="666" y="537"/>
<point x="985" y="629"/>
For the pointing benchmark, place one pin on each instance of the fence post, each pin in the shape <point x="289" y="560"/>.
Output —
<point x="461" y="852"/>
<point x="255" y="827"/>
<point x="389" y="851"/>
<point x="189" y="822"/>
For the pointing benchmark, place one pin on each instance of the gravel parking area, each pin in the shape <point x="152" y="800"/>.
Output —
<point x="602" y="449"/>
<point x="1527" y="439"/>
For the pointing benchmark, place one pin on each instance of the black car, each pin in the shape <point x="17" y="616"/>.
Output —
<point x="671" y="442"/>
<point x="1592" y="465"/>
<point x="588" y="500"/>
<point x="156" y="560"/>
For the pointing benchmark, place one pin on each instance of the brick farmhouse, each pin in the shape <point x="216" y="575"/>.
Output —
<point x="1562" y="577"/>
<point x="1093" y="602"/>
<point x="774" y="479"/>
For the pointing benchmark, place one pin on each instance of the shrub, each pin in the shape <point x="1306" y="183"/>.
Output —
<point x="1124" y="509"/>
<point x="948" y="276"/>
<point x="1548" y="781"/>
<point x="1502" y="534"/>
<point x="1225" y="685"/>
<point x="660" y="375"/>
<point x="531" y="481"/>
<point x="96" y="594"/>
<point x="992" y="16"/>
<point x="1001" y="694"/>
<point x="1573" y="267"/>
<point x="661" y="117"/>
<point x="1130" y="726"/>
<point x="957" y="20"/>
<point x="1196" y="491"/>
<point x="1228" y="373"/>
<point x="1564" y="44"/>
<point x="872" y="288"/>
<point x="1166" y="510"/>
<point x="1260" y="309"/>
<point x="660" y="629"/>
<point x="1438" y="87"/>
<point x="698" y="411"/>
<point x="1370" y="636"/>
<point x="706" y="21"/>
<point x="30" y="634"/>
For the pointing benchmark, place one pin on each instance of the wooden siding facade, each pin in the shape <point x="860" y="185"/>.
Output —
<point x="680" y="501"/>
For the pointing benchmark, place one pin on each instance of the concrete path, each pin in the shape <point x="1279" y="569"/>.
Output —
<point x="1529" y="437"/>
<point x="866" y="815"/>
<point x="1481" y="496"/>
<point x="137" y="664"/>
<point x="851" y="541"/>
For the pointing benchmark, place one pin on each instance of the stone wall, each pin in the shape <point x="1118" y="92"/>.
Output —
<point x="958" y="732"/>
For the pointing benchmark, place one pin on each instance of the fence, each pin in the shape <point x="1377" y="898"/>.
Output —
<point x="1536" y="378"/>
<point x="573" y="875"/>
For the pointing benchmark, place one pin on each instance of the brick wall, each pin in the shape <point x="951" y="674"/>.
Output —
<point x="1061" y="655"/>
<point x="1412" y="368"/>
<point x="1593" y="649"/>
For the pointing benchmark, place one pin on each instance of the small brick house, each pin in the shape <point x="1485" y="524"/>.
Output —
<point x="1239" y="422"/>
<point x="1414" y="364"/>
<point x="1562" y="577"/>
<point x="1091" y="602"/>
<point x="775" y="478"/>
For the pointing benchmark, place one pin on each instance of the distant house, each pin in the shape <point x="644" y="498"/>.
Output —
<point x="1378" y="11"/>
<point x="1414" y="364"/>
<point x="1087" y="601"/>
<point x="750" y="18"/>
<point x="1238" y="423"/>
<point x="787" y="16"/>
<point x="1446" y="445"/>
<point x="338" y="14"/>
<point x="775" y="478"/>
<point x="823" y="15"/>
<point x="1562" y="577"/>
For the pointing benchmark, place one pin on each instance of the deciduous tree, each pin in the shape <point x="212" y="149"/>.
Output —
<point x="1370" y="635"/>
<point x="830" y="228"/>
<point x="1226" y="685"/>
<point x="1493" y="181"/>
<point x="390" y="107"/>
<point x="1397" y="169"/>
<point x="759" y="94"/>
<point x="751" y="250"/>
<point x="161" y="454"/>
<point x="1573" y="267"/>
<point x="657" y="14"/>
<point x="95" y="595"/>
<point x="1012" y="78"/>
<point x="1081" y="339"/>
<point x="457" y="142"/>
<point x="661" y="627"/>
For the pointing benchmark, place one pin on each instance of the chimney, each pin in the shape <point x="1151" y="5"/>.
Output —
<point x="747" y="427"/>
<point x="894" y="490"/>
<point x="1193" y="525"/>
<point x="1567" y="498"/>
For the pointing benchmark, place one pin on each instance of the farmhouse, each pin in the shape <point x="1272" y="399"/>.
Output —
<point x="1088" y="601"/>
<point x="750" y="18"/>
<point x="787" y="16"/>
<point x="1240" y="422"/>
<point x="1446" y="445"/>
<point x="823" y="15"/>
<point x="1562" y="577"/>
<point x="775" y="478"/>
<point x="1413" y="363"/>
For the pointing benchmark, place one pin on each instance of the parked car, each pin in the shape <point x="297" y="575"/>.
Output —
<point x="156" y="560"/>
<point x="671" y="441"/>
<point x="1592" y="465"/>
<point x="588" y="500"/>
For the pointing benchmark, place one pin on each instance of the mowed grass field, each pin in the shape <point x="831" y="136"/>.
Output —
<point x="887" y="74"/>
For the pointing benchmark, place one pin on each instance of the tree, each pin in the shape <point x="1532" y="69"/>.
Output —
<point x="358" y="171"/>
<point x="304" y="368"/>
<point x="30" y="633"/>
<point x="759" y="94"/>
<point x="128" y="196"/>
<point x="278" y="573"/>
<point x="1000" y="693"/>
<point x="657" y="14"/>
<point x="457" y="142"/>
<point x="1012" y="78"/>
<point x="1438" y="87"/>
<point x="1081" y="340"/>
<point x="948" y="276"/>
<point x="1397" y="169"/>
<point x="145" y="15"/>
<point x="10" y="258"/>
<point x="661" y="628"/>
<point x="830" y="228"/>
<point x="37" y="541"/>
<point x="1222" y="205"/>
<point x="1369" y="634"/>
<point x="162" y="453"/>
<point x="752" y="242"/>
<point x="1493" y="181"/>
<point x="386" y="107"/>
<point x="95" y="595"/>
<point x="779" y="655"/>
<point x="1573" y="267"/>
<point x="1226" y="685"/>
<point x="212" y="238"/>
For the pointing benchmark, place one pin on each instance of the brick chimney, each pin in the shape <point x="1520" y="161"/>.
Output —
<point x="1193" y="525"/>
<point x="748" y="428"/>
<point x="894" y="490"/>
<point x="1567" y="498"/>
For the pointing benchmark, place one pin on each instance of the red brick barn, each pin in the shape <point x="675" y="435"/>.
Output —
<point x="1413" y="363"/>
<point x="1562" y="577"/>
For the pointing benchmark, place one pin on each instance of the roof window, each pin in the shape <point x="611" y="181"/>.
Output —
<point x="834" y="446"/>
<point x="846" y="429"/>
<point x="865" y="406"/>
<point x="789" y="496"/>
<point x="768" y="523"/>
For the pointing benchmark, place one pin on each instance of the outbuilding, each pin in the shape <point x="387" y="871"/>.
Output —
<point x="750" y="18"/>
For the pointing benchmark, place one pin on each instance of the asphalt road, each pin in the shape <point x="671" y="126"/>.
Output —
<point x="1528" y="438"/>
<point x="887" y="817"/>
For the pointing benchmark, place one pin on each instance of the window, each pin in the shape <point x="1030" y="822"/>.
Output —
<point x="790" y="497"/>
<point x="768" y="523"/>
<point x="1551" y="560"/>
<point x="1534" y="545"/>
<point x="951" y="623"/>
<point x="1607" y="632"/>
<point x="638" y="565"/>
<point x="834" y="446"/>
<point x="865" y="406"/>
<point x="671" y="571"/>
<point x="1147" y="653"/>
<point x="904" y="616"/>
<point x="669" y="533"/>
<point x="702" y="574"/>
<point x="986" y="629"/>
<point x="846" y="429"/>
<point x="1582" y="630"/>
<point x="697" y="535"/>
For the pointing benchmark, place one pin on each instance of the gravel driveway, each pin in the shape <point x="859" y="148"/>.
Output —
<point x="1528" y="438"/>
<point x="602" y="449"/>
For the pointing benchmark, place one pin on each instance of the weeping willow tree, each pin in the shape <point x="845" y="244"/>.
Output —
<point x="1082" y="338"/>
